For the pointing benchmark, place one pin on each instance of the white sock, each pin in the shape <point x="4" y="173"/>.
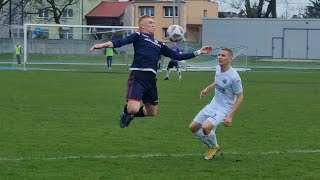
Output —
<point x="201" y="136"/>
<point x="212" y="139"/>
<point x="179" y="73"/>
<point x="168" y="72"/>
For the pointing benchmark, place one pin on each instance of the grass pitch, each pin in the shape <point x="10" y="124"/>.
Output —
<point x="65" y="125"/>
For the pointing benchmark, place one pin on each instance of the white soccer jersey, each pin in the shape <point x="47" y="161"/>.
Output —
<point x="228" y="84"/>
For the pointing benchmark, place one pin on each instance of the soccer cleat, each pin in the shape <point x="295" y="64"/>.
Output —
<point x="129" y="119"/>
<point x="166" y="78"/>
<point x="125" y="119"/>
<point x="211" y="153"/>
<point x="122" y="120"/>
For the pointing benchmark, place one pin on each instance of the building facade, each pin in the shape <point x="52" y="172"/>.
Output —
<point x="190" y="19"/>
<point x="187" y="13"/>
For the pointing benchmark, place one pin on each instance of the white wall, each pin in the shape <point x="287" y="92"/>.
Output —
<point x="257" y="34"/>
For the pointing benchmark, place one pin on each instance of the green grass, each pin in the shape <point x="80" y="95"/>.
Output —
<point x="64" y="125"/>
<point x="205" y="60"/>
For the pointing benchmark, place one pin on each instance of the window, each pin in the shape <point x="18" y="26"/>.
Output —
<point x="164" y="33"/>
<point x="67" y="13"/>
<point x="67" y="33"/>
<point x="168" y="11"/>
<point x="196" y="36"/>
<point x="205" y="13"/>
<point x="43" y="13"/>
<point x="146" y="10"/>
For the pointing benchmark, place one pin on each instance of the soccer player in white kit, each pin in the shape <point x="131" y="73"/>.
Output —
<point x="228" y="96"/>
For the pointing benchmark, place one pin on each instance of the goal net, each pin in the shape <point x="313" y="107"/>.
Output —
<point x="67" y="46"/>
<point x="208" y="62"/>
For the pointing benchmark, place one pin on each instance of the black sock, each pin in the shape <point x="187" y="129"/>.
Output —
<point x="125" y="110"/>
<point x="140" y="113"/>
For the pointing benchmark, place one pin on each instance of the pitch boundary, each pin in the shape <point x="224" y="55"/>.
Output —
<point x="155" y="155"/>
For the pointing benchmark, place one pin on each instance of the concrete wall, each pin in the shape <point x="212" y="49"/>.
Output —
<point x="277" y="38"/>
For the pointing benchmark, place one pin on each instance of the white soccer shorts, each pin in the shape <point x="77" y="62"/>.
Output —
<point x="211" y="114"/>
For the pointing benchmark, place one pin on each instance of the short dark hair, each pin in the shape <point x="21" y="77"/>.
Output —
<point x="143" y="17"/>
<point x="228" y="50"/>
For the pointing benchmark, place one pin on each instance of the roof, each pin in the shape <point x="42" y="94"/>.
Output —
<point x="108" y="9"/>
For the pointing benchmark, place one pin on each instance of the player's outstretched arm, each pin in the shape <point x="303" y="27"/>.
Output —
<point x="204" y="50"/>
<point x="168" y="52"/>
<point x="102" y="45"/>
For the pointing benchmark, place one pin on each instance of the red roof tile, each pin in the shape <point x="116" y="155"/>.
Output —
<point x="108" y="9"/>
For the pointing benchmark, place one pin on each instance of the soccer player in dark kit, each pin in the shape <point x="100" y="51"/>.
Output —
<point x="142" y="82"/>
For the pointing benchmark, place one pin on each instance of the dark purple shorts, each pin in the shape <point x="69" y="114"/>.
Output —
<point x="142" y="86"/>
<point x="173" y="64"/>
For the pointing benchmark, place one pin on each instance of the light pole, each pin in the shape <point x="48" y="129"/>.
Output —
<point x="22" y="11"/>
<point x="81" y="18"/>
<point x="10" y="17"/>
<point x="179" y="12"/>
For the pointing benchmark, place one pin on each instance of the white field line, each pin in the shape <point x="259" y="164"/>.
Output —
<point x="297" y="151"/>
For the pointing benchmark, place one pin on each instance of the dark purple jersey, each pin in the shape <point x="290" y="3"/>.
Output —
<point x="147" y="51"/>
<point x="177" y="49"/>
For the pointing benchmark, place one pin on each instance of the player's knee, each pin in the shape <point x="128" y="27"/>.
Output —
<point x="133" y="110"/>
<point x="194" y="127"/>
<point x="207" y="127"/>
<point x="206" y="130"/>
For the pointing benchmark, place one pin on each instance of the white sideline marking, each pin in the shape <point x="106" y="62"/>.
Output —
<point x="297" y="151"/>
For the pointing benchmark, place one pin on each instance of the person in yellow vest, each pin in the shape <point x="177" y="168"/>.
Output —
<point x="109" y="55"/>
<point x="18" y="52"/>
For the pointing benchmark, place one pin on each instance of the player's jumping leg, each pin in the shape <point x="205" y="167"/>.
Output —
<point x="196" y="129"/>
<point x="209" y="131"/>
<point x="127" y="115"/>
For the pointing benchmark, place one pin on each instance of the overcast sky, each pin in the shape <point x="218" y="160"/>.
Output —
<point x="285" y="8"/>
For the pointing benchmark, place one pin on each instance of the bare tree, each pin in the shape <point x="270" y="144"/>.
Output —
<point x="56" y="7"/>
<point x="254" y="8"/>
<point x="272" y="9"/>
<point x="11" y="13"/>
<point x="313" y="11"/>
<point x="3" y="3"/>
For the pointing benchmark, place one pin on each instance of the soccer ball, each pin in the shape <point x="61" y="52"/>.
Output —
<point x="175" y="33"/>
